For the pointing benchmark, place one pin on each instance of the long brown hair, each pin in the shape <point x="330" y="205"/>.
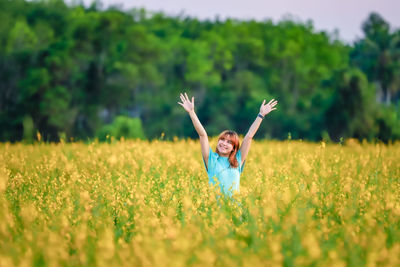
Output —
<point x="234" y="138"/>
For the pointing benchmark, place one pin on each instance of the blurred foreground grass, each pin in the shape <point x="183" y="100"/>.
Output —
<point x="141" y="203"/>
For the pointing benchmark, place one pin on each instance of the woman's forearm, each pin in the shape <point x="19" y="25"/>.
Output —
<point x="249" y="137"/>
<point x="264" y="110"/>
<point x="253" y="128"/>
<point x="197" y="124"/>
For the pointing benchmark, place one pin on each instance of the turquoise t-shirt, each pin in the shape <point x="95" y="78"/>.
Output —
<point x="220" y="172"/>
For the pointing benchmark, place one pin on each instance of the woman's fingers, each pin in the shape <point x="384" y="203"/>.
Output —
<point x="180" y="104"/>
<point x="269" y="103"/>
<point x="183" y="98"/>
<point x="273" y="104"/>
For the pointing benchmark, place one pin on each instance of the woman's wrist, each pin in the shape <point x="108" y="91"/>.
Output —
<point x="261" y="116"/>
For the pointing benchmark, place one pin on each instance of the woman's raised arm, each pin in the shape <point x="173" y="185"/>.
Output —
<point x="264" y="110"/>
<point x="189" y="107"/>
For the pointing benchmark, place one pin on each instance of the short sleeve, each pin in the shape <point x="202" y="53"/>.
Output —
<point x="211" y="159"/>
<point x="239" y="159"/>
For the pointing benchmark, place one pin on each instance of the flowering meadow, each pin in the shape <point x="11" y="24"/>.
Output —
<point x="148" y="203"/>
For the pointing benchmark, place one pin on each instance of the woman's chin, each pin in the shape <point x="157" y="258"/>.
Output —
<point x="224" y="153"/>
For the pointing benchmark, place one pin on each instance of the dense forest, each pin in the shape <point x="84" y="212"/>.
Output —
<point x="70" y="71"/>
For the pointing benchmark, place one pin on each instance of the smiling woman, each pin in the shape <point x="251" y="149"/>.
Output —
<point x="225" y="165"/>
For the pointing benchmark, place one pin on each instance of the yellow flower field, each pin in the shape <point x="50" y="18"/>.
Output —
<point x="148" y="203"/>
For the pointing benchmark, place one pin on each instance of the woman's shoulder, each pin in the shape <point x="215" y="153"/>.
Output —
<point x="239" y="154"/>
<point x="212" y="153"/>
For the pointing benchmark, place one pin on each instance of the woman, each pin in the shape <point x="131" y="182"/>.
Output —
<point x="225" y="165"/>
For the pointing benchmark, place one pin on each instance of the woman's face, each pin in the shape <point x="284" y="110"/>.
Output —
<point x="225" y="146"/>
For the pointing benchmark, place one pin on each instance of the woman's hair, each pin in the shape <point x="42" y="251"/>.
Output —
<point x="234" y="138"/>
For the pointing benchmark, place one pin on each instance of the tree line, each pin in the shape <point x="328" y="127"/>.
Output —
<point x="68" y="71"/>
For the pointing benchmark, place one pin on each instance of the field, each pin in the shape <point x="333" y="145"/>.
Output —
<point x="141" y="203"/>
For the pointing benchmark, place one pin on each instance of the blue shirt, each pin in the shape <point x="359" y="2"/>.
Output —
<point x="220" y="172"/>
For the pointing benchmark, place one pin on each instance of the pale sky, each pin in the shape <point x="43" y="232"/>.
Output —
<point x="328" y="15"/>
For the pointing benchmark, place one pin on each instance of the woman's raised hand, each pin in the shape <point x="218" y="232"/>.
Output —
<point x="267" y="108"/>
<point x="186" y="103"/>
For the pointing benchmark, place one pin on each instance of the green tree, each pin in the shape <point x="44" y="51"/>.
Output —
<point x="351" y="112"/>
<point x="378" y="56"/>
<point x="21" y="37"/>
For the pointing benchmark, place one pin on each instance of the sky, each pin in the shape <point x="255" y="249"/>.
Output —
<point x="344" y="15"/>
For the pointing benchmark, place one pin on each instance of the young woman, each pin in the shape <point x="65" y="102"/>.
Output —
<point x="225" y="165"/>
